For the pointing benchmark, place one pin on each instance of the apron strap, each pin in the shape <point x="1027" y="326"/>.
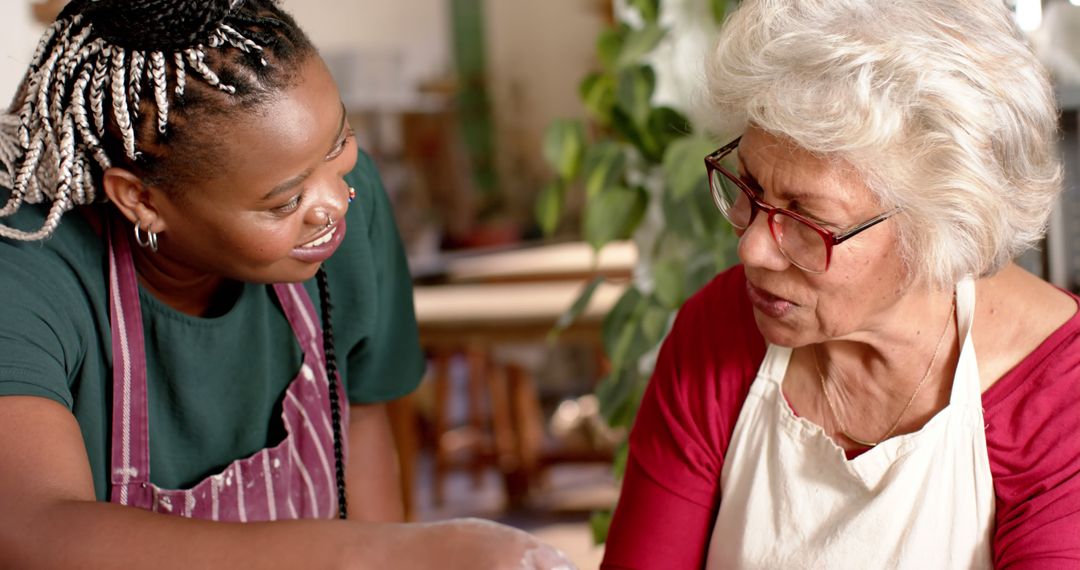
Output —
<point x="130" y="464"/>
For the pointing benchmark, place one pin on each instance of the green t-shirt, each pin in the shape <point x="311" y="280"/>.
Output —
<point x="215" y="384"/>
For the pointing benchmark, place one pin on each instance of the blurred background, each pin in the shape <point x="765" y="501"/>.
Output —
<point x="544" y="161"/>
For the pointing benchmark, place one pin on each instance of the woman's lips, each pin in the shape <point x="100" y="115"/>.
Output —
<point x="325" y="245"/>
<point x="771" y="305"/>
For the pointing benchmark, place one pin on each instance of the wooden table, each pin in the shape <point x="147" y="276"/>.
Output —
<point x="572" y="261"/>
<point x="491" y="300"/>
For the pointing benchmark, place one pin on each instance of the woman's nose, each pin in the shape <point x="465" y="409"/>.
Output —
<point x="758" y="248"/>
<point x="332" y="203"/>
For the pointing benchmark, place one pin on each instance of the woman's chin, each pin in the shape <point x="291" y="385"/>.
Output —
<point x="781" y="332"/>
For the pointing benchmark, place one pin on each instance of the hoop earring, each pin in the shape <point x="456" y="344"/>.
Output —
<point x="150" y="240"/>
<point x="352" y="194"/>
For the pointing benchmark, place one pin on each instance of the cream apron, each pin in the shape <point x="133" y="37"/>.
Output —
<point x="791" y="499"/>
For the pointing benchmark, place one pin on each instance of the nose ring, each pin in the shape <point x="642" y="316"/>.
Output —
<point x="329" y="220"/>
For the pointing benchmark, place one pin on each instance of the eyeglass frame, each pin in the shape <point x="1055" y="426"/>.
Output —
<point x="831" y="239"/>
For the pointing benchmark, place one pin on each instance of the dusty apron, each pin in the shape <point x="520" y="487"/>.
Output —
<point x="791" y="499"/>
<point x="295" y="479"/>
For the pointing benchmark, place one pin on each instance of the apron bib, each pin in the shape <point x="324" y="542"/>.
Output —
<point x="294" y="479"/>
<point x="791" y="499"/>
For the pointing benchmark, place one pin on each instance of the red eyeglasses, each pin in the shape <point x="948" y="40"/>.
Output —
<point x="803" y="242"/>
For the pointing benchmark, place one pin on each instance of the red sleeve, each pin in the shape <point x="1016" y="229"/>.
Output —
<point x="670" y="492"/>
<point x="1033" y="439"/>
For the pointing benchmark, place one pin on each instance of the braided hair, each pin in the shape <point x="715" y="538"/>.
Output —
<point x="133" y="83"/>
<point x="139" y="84"/>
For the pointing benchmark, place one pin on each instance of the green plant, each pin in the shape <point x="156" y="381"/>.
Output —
<point x="641" y="167"/>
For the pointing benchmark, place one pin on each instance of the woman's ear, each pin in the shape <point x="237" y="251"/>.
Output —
<point x="133" y="198"/>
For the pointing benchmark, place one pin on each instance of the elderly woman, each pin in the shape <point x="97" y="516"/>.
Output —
<point x="878" y="385"/>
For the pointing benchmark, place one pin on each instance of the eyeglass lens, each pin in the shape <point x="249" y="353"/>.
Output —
<point x="800" y="243"/>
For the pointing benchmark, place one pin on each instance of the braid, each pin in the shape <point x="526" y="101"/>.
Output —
<point x="331" y="374"/>
<point x="81" y="107"/>
<point x="121" y="112"/>
<point x="135" y="79"/>
<point x="181" y="73"/>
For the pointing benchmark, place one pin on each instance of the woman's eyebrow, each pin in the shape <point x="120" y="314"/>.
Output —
<point x="300" y="178"/>
<point x="783" y="192"/>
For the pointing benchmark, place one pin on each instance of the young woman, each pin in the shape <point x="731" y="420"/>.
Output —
<point x="183" y="198"/>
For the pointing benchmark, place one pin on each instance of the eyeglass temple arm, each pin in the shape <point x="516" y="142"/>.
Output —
<point x="841" y="237"/>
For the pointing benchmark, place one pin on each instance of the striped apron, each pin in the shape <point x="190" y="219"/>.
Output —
<point x="295" y="479"/>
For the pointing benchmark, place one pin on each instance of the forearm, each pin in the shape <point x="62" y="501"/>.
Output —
<point x="372" y="475"/>
<point x="85" y="534"/>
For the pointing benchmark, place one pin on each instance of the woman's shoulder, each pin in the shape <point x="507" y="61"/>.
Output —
<point x="1020" y="322"/>
<point x="1032" y="416"/>
<point x="73" y="254"/>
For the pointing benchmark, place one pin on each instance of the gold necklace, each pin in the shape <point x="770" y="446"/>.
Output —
<point x="836" y="417"/>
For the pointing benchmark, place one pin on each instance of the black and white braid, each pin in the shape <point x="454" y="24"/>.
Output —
<point x="86" y="69"/>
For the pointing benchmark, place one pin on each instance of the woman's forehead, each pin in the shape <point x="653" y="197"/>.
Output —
<point x="790" y="172"/>
<point x="287" y="135"/>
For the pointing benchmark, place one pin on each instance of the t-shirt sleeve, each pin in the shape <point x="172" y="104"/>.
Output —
<point x="1033" y="439"/>
<point x="38" y="339"/>
<point x="671" y="488"/>
<point x="388" y="363"/>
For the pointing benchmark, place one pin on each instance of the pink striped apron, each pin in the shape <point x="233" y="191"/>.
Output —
<point x="292" y="480"/>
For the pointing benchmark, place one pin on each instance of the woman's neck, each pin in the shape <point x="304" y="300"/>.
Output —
<point x="900" y="367"/>
<point x="189" y="291"/>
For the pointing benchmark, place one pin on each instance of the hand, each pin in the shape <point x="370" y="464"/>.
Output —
<point x="477" y="544"/>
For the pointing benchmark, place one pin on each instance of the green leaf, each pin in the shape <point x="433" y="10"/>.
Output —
<point x="613" y="214"/>
<point x="597" y="92"/>
<point x="564" y="143"/>
<point x="684" y="165"/>
<point x="602" y="167"/>
<point x="623" y="415"/>
<point x="669" y="276"/>
<point x="579" y="306"/>
<point x="654" y="323"/>
<point x="634" y="92"/>
<point x="600" y="522"/>
<point x="638" y="44"/>
<point x="625" y="128"/>
<point x="618" y="464"/>
<point x="680" y="216"/>
<point x="719" y="10"/>
<point x="614" y="391"/>
<point x="618" y="318"/>
<point x="609" y="45"/>
<point x="665" y="126"/>
<point x="549" y="205"/>
<point x="649" y="9"/>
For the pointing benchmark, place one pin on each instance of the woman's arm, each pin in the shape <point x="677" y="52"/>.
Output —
<point x="671" y="489"/>
<point x="50" y="519"/>
<point x="372" y="476"/>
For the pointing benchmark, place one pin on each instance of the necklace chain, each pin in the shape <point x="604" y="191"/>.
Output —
<point x="911" y="400"/>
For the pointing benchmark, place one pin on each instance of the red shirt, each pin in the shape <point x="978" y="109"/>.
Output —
<point x="671" y="491"/>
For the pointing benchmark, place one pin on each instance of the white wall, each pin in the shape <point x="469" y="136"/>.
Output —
<point x="538" y="53"/>
<point x="413" y="33"/>
<point x="395" y="40"/>
<point x="17" y="42"/>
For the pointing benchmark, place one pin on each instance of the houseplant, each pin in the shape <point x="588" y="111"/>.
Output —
<point x="639" y="162"/>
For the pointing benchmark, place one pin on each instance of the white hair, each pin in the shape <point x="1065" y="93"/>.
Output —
<point x="940" y="105"/>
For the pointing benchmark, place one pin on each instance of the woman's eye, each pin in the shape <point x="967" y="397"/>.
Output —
<point x="289" y="206"/>
<point x="340" y="148"/>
